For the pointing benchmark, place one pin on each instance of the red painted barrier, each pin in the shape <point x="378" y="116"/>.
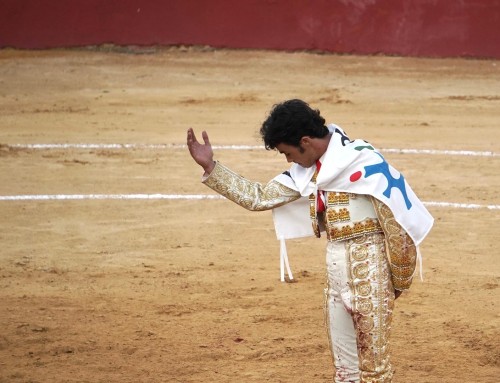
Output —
<point x="434" y="28"/>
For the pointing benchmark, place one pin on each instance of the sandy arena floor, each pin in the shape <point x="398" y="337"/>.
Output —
<point x="121" y="290"/>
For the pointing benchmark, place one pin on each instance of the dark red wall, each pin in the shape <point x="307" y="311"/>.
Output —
<point x="402" y="27"/>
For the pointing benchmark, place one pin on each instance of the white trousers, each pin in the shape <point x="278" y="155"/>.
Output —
<point x="359" y="300"/>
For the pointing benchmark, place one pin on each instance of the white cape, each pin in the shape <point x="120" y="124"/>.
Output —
<point x="352" y="167"/>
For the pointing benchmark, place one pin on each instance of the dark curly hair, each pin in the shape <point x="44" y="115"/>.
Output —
<point x="289" y="121"/>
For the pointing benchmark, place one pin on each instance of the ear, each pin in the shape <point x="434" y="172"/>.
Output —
<point x="305" y="141"/>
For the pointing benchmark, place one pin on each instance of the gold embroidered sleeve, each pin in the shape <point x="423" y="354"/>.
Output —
<point x="401" y="249"/>
<point x="248" y="194"/>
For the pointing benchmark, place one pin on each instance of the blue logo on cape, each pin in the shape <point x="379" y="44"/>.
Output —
<point x="399" y="183"/>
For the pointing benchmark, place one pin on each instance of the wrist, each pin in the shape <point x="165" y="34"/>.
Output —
<point x="209" y="167"/>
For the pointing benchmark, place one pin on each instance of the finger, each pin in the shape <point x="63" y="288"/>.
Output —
<point x="205" y="138"/>
<point x="191" y="138"/>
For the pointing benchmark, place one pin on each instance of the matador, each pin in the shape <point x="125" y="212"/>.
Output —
<point x="370" y="216"/>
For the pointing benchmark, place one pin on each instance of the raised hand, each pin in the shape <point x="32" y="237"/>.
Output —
<point x="201" y="153"/>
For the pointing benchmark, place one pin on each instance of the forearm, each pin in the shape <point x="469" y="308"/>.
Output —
<point x="248" y="194"/>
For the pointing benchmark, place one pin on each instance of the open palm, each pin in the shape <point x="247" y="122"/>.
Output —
<point x="201" y="153"/>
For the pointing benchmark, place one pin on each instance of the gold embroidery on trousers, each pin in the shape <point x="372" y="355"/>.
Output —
<point x="373" y="302"/>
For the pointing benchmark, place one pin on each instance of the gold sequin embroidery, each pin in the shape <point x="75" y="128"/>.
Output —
<point x="401" y="249"/>
<point x="372" y="305"/>
<point x="248" y="194"/>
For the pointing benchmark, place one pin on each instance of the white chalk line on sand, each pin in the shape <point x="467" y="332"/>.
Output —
<point x="70" y="197"/>
<point x="48" y="197"/>
<point x="236" y="147"/>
